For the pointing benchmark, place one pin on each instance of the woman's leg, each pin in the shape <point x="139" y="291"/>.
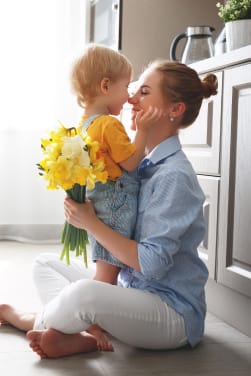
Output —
<point x="136" y="317"/>
<point x="21" y="320"/>
<point x="51" y="275"/>
<point x="104" y="273"/>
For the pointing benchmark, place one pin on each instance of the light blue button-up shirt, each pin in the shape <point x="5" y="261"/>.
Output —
<point x="169" y="228"/>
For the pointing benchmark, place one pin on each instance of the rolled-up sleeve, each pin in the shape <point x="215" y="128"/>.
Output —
<point x="165" y="215"/>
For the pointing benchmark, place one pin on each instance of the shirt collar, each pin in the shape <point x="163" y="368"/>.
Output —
<point x="166" y="148"/>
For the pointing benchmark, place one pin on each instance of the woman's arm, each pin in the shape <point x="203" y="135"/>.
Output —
<point x="83" y="216"/>
<point x="143" y="122"/>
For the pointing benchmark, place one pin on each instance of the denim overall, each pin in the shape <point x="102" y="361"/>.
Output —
<point x="116" y="205"/>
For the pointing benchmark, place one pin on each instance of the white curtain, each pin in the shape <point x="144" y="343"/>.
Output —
<point x="38" y="41"/>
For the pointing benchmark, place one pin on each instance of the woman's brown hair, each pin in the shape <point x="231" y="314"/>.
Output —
<point x="181" y="83"/>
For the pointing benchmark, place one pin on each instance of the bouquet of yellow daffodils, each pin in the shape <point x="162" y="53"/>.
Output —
<point x="71" y="161"/>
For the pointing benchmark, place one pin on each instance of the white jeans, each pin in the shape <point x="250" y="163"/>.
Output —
<point x="72" y="302"/>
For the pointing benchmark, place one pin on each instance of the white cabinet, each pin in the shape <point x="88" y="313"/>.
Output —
<point x="218" y="145"/>
<point x="234" y="246"/>
<point x="201" y="141"/>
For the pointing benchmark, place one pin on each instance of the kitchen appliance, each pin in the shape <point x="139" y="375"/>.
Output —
<point x="199" y="44"/>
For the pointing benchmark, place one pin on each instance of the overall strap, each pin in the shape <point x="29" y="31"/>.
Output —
<point x="88" y="121"/>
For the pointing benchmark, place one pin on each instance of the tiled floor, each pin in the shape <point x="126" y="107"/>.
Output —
<point x="223" y="352"/>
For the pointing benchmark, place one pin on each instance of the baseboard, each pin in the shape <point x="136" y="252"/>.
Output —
<point x="230" y="306"/>
<point x="31" y="233"/>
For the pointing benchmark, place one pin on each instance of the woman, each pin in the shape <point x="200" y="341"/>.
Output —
<point x="159" y="302"/>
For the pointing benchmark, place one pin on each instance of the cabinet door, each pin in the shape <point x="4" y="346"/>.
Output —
<point x="201" y="141"/>
<point x="234" y="245"/>
<point x="207" y="249"/>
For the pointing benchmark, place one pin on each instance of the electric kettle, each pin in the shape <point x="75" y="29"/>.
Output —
<point x="199" y="44"/>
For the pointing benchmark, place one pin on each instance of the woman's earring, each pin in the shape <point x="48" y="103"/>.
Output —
<point x="171" y="118"/>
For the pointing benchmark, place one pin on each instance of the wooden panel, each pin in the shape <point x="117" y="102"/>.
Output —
<point x="235" y="205"/>
<point x="201" y="141"/>
<point x="241" y="194"/>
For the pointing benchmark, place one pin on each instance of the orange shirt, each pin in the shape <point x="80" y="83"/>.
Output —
<point x="115" y="145"/>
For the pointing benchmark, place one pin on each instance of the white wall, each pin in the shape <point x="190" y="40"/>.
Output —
<point x="38" y="41"/>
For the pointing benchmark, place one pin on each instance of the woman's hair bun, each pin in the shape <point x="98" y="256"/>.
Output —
<point x="209" y="85"/>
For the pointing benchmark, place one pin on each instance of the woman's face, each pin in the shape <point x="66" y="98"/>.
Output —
<point x="148" y="92"/>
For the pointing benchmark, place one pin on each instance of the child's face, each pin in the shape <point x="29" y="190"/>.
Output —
<point x="148" y="92"/>
<point x="118" y="95"/>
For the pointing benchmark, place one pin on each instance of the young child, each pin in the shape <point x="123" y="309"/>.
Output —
<point x="100" y="80"/>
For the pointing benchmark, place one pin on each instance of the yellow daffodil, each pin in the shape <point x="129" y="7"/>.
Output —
<point x="71" y="162"/>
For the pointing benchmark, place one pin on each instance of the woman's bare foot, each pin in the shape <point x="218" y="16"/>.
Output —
<point x="20" y="320"/>
<point x="50" y="343"/>
<point x="103" y="342"/>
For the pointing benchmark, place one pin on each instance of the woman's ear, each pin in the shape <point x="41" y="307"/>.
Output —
<point x="104" y="85"/>
<point x="178" y="109"/>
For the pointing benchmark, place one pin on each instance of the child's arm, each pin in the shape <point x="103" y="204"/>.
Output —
<point x="144" y="121"/>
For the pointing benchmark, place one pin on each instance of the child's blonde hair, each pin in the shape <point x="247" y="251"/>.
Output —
<point x="96" y="63"/>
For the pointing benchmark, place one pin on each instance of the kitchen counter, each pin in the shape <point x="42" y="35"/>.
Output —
<point x="227" y="59"/>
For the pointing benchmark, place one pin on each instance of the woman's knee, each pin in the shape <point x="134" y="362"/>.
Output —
<point x="43" y="260"/>
<point x="81" y="287"/>
<point x="86" y="292"/>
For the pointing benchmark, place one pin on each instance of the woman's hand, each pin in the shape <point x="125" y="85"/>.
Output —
<point x="146" y="119"/>
<point x="83" y="216"/>
<point x="79" y="215"/>
<point x="133" y="126"/>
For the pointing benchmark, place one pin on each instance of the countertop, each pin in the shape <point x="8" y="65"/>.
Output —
<point x="241" y="55"/>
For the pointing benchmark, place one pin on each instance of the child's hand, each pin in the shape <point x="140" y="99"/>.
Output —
<point x="145" y="119"/>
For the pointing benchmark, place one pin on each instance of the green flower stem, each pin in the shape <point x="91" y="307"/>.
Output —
<point x="74" y="239"/>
